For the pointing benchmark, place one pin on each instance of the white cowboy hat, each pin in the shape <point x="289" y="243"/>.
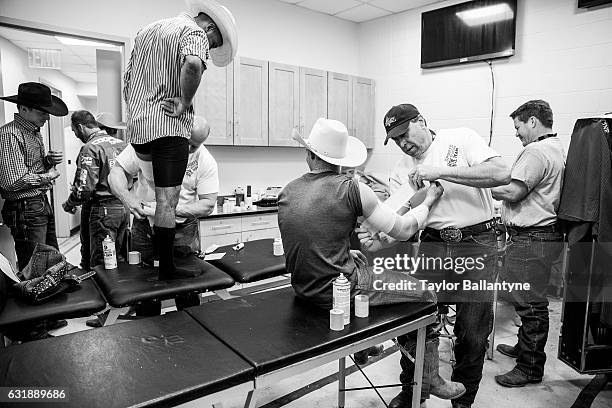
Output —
<point x="330" y="141"/>
<point x="108" y="119"/>
<point x="223" y="18"/>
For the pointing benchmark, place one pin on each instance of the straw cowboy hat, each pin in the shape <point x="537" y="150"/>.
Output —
<point x="38" y="96"/>
<point x="108" y="119"/>
<point x="330" y="141"/>
<point x="223" y="18"/>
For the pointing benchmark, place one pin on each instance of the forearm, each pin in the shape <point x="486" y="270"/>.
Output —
<point x="198" y="209"/>
<point x="118" y="184"/>
<point x="191" y="74"/>
<point x="513" y="192"/>
<point x="30" y="180"/>
<point x="482" y="176"/>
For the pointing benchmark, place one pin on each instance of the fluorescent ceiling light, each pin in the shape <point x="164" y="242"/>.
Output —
<point x="85" y="43"/>
<point x="486" y="15"/>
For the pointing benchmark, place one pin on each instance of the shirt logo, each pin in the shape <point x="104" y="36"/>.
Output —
<point x="451" y="156"/>
<point x="191" y="168"/>
<point x="389" y="120"/>
<point x="87" y="161"/>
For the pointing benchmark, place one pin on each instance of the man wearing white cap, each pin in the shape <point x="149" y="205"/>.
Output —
<point x="316" y="215"/>
<point x="162" y="77"/>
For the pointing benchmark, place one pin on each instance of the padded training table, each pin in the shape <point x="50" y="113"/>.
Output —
<point x="160" y="361"/>
<point x="128" y="284"/>
<point x="281" y="335"/>
<point x="82" y="300"/>
<point x="252" y="263"/>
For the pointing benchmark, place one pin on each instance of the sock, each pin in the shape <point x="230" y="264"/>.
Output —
<point x="165" y="245"/>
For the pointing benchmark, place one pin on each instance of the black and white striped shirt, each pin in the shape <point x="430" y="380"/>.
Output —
<point x="153" y="74"/>
<point x="22" y="160"/>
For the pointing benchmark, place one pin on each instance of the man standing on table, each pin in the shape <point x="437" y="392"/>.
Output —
<point x="530" y="204"/>
<point x="162" y="77"/>
<point x="460" y="226"/>
<point x="316" y="216"/>
<point x="198" y="198"/>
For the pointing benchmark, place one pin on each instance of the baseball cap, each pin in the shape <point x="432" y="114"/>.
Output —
<point x="398" y="119"/>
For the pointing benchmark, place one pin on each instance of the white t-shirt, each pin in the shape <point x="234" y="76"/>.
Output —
<point x="201" y="176"/>
<point x="460" y="205"/>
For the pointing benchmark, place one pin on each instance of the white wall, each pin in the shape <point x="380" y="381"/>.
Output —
<point x="15" y="71"/>
<point x="267" y="29"/>
<point x="563" y="55"/>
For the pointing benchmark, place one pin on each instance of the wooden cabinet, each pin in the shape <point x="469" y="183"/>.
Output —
<point x="313" y="98"/>
<point x="351" y="101"/>
<point x="214" y="101"/>
<point x="284" y="108"/>
<point x="250" y="102"/>
<point x="239" y="228"/>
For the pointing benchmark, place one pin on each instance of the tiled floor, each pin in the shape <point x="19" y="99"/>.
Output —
<point x="316" y="388"/>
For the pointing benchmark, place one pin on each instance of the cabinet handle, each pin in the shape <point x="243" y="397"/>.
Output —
<point x="260" y="223"/>
<point x="220" y="227"/>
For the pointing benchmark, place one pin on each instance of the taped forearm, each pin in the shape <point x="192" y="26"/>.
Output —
<point x="399" y="227"/>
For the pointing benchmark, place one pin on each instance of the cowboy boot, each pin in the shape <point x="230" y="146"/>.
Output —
<point x="438" y="386"/>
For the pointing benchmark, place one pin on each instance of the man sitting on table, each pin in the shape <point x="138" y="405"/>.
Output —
<point x="316" y="216"/>
<point x="198" y="198"/>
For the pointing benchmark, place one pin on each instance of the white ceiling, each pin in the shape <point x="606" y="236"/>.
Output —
<point x="77" y="61"/>
<point x="360" y="10"/>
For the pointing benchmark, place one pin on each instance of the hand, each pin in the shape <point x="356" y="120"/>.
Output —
<point x="174" y="106"/>
<point x="55" y="157"/>
<point x="421" y="172"/>
<point x="53" y="174"/>
<point x="136" y="207"/>
<point x="359" y="258"/>
<point x="434" y="192"/>
<point x="148" y="209"/>
<point x="368" y="241"/>
<point x="68" y="208"/>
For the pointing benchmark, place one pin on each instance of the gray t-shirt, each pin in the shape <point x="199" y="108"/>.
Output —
<point x="540" y="166"/>
<point x="316" y="215"/>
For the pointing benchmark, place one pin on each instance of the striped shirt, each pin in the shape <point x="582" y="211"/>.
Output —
<point x="153" y="74"/>
<point x="22" y="154"/>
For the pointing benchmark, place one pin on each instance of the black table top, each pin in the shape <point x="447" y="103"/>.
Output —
<point x="254" y="262"/>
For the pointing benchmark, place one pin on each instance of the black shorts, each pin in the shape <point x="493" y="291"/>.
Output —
<point x="169" y="156"/>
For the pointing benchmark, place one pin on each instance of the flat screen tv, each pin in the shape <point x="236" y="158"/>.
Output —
<point x="473" y="31"/>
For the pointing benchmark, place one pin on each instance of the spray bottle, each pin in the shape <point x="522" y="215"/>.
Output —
<point x="342" y="296"/>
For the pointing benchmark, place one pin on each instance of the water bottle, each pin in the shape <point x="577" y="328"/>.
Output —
<point x="342" y="296"/>
<point x="110" y="255"/>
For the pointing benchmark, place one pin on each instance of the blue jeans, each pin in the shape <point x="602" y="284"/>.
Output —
<point x="365" y="283"/>
<point x="84" y="235"/>
<point x="110" y="218"/>
<point x="474" y="321"/>
<point x="529" y="257"/>
<point x="31" y="221"/>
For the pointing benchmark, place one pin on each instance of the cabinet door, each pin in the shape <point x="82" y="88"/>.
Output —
<point x="256" y="222"/>
<point x="340" y="99"/>
<point x="250" y="102"/>
<point x="313" y="98"/>
<point x="284" y="104"/>
<point x="213" y="101"/>
<point x="363" y="110"/>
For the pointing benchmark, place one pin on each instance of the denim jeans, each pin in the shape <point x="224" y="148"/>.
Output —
<point x="474" y="320"/>
<point x="84" y="235"/>
<point x="110" y="218"/>
<point x="31" y="221"/>
<point x="529" y="257"/>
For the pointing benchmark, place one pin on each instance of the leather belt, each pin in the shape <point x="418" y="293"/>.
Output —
<point x="453" y="234"/>
<point x="552" y="228"/>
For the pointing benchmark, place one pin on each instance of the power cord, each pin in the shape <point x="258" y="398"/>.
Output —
<point x="492" y="100"/>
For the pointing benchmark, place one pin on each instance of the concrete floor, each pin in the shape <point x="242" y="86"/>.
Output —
<point x="317" y="388"/>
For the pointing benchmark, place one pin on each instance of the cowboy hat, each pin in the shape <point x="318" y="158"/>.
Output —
<point x="38" y="96"/>
<point x="223" y="18"/>
<point x="330" y="141"/>
<point x="108" y="119"/>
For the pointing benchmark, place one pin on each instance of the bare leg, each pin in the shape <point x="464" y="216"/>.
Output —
<point x="165" y="227"/>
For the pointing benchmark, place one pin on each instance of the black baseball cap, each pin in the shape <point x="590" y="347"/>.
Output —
<point x="398" y="119"/>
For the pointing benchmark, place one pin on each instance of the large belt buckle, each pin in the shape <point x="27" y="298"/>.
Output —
<point x="451" y="234"/>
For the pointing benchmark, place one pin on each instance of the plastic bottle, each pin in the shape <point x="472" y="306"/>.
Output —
<point x="277" y="247"/>
<point x="342" y="296"/>
<point x="110" y="255"/>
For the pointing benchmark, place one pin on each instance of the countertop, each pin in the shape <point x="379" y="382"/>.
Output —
<point x="258" y="211"/>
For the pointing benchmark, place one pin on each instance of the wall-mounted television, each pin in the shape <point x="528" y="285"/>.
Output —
<point x="473" y="31"/>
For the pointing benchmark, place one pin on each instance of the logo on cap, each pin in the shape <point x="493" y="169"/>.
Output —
<point x="389" y="121"/>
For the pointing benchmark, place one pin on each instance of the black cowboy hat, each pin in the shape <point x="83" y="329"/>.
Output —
<point x="38" y="96"/>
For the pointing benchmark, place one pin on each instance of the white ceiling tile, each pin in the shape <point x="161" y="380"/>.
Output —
<point x="329" y="7"/>
<point x="361" y="13"/>
<point x="398" y="6"/>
